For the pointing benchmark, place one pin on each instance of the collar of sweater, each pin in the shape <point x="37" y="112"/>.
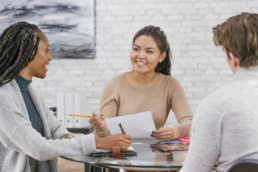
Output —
<point x="250" y="71"/>
<point x="22" y="83"/>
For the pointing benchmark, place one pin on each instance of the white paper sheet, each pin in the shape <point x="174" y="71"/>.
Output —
<point x="137" y="125"/>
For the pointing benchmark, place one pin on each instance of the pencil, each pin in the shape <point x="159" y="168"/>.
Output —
<point x="86" y="116"/>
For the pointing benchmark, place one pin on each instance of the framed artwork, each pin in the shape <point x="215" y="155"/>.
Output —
<point x="68" y="24"/>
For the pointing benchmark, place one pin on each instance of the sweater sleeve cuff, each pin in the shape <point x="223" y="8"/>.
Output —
<point x="88" y="144"/>
<point x="176" y="133"/>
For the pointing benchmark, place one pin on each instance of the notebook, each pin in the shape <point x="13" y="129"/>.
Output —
<point x="101" y="152"/>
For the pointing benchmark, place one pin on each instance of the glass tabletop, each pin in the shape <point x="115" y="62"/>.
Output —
<point x="147" y="157"/>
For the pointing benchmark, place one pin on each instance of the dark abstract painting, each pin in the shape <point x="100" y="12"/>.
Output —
<point x="68" y="24"/>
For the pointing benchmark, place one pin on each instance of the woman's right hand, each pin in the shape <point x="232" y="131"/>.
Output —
<point x="105" y="143"/>
<point x="96" y="122"/>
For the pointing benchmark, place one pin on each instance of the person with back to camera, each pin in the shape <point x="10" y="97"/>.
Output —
<point x="30" y="136"/>
<point x="225" y="123"/>
<point x="149" y="87"/>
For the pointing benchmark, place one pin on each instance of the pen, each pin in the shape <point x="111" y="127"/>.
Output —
<point x="171" y="142"/>
<point x="85" y="116"/>
<point x="120" y="125"/>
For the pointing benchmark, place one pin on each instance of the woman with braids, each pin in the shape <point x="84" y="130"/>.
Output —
<point x="148" y="87"/>
<point x="30" y="136"/>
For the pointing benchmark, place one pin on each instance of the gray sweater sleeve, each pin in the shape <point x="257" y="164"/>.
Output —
<point x="17" y="133"/>
<point x="205" y="137"/>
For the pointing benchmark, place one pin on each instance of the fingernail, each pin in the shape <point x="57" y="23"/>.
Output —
<point x="151" y="135"/>
<point x="101" y="114"/>
<point x="152" y="131"/>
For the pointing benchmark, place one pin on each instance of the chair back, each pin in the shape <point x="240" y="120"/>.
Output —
<point x="245" y="165"/>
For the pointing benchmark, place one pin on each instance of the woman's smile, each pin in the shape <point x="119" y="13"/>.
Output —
<point x="139" y="63"/>
<point x="47" y="66"/>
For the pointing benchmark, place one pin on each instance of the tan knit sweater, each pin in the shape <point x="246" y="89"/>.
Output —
<point x="121" y="98"/>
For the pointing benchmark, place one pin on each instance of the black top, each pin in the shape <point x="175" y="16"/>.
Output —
<point x="33" y="113"/>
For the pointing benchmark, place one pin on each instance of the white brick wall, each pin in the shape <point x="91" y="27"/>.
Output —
<point x="198" y="64"/>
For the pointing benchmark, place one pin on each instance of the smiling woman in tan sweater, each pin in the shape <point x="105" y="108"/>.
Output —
<point x="149" y="87"/>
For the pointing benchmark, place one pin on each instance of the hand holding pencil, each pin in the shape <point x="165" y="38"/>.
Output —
<point x="96" y="122"/>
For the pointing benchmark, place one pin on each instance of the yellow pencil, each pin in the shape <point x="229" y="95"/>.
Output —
<point x="86" y="116"/>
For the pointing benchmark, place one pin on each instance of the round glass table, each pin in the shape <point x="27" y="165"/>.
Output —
<point x="147" y="157"/>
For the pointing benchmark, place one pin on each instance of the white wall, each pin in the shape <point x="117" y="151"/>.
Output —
<point x="199" y="65"/>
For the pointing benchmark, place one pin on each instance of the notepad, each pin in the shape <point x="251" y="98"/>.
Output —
<point x="101" y="152"/>
<point x="130" y="148"/>
<point x="136" y="125"/>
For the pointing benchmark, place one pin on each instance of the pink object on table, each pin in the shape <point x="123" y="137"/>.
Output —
<point x="183" y="139"/>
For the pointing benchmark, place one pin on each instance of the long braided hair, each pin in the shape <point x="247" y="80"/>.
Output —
<point x="160" y="38"/>
<point x="18" y="47"/>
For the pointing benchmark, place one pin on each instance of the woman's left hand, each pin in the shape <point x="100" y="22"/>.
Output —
<point x="187" y="143"/>
<point x="163" y="134"/>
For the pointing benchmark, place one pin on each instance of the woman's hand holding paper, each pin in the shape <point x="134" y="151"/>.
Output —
<point x="96" y="122"/>
<point x="163" y="134"/>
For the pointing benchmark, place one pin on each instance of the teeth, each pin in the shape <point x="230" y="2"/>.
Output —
<point x="46" y="66"/>
<point x="141" y="63"/>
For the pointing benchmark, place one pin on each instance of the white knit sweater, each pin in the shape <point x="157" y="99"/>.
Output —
<point x="225" y="125"/>
<point x="19" y="140"/>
